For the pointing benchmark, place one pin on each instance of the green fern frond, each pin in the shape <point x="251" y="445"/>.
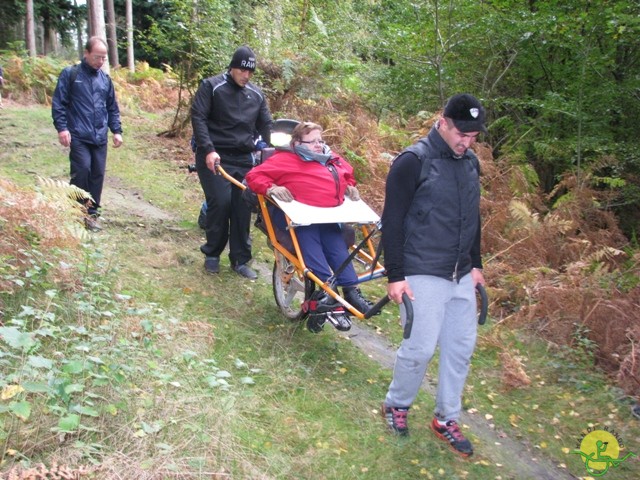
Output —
<point x="63" y="189"/>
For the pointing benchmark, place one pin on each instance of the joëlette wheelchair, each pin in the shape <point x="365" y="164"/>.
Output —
<point x="298" y="292"/>
<point x="296" y="288"/>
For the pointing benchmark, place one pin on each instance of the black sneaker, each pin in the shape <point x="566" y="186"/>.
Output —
<point x="245" y="271"/>
<point x="339" y="319"/>
<point x="324" y="308"/>
<point x="396" y="419"/>
<point x="212" y="265"/>
<point x="353" y="295"/>
<point x="316" y="321"/>
<point x="450" y="433"/>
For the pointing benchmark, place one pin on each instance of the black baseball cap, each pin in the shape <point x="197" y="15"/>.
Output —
<point x="466" y="112"/>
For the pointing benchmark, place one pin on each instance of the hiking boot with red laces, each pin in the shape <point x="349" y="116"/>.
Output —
<point x="396" y="419"/>
<point x="450" y="433"/>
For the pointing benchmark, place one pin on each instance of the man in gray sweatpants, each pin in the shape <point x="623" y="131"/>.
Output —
<point x="431" y="240"/>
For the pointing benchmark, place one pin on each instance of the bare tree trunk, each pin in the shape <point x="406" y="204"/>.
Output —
<point x="79" y="33"/>
<point x="96" y="12"/>
<point x="131" y="64"/>
<point x="112" y="35"/>
<point x="31" y="30"/>
<point x="98" y="28"/>
<point x="49" y="40"/>
<point x="89" y="22"/>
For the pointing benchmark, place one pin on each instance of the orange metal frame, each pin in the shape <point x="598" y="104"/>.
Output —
<point x="366" y="254"/>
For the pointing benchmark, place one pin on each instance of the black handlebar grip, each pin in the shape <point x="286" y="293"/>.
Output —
<point x="484" y="304"/>
<point x="408" y="324"/>
<point x="407" y="305"/>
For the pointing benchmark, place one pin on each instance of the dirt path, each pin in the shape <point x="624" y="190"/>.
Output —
<point x="519" y="461"/>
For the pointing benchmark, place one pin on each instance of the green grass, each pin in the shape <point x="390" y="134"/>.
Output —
<point x="174" y="371"/>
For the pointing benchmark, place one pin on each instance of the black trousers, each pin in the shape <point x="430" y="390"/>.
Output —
<point x="88" y="166"/>
<point x="228" y="217"/>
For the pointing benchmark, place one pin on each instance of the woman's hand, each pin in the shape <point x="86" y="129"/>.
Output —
<point x="281" y="193"/>
<point x="352" y="193"/>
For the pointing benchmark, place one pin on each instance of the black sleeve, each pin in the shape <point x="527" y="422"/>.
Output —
<point x="399" y="192"/>
<point x="200" y="114"/>
<point x="263" y="124"/>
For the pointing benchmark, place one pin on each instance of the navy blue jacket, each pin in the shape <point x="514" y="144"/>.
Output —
<point x="431" y="216"/>
<point x="88" y="107"/>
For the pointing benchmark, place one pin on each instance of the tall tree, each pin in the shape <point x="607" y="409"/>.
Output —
<point x="97" y="25"/>
<point x="131" y="65"/>
<point x="31" y="30"/>
<point x="112" y="36"/>
<point x="78" y="26"/>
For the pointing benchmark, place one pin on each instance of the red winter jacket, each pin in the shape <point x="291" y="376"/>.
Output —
<point x="309" y="182"/>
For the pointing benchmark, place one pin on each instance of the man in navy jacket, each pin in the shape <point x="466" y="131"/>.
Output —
<point x="84" y="109"/>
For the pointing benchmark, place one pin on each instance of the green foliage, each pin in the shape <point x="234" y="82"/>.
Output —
<point x="58" y="16"/>
<point x="583" y="346"/>
<point x="558" y="78"/>
<point x="195" y="38"/>
<point x="35" y="78"/>
<point x="144" y="72"/>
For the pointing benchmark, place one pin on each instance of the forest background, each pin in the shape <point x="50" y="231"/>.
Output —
<point x="560" y="81"/>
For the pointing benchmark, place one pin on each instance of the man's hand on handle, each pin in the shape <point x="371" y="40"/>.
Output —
<point x="396" y="289"/>
<point x="477" y="276"/>
<point x="212" y="161"/>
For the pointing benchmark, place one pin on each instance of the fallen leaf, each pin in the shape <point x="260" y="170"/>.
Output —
<point x="11" y="391"/>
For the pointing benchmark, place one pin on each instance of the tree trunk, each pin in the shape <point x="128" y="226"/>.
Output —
<point x="31" y="30"/>
<point x="97" y="26"/>
<point x="131" y="64"/>
<point x="49" y="40"/>
<point x="79" y="32"/>
<point x="112" y="35"/>
<point x="89" y="23"/>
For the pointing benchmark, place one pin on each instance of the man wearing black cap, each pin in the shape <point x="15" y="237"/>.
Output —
<point x="227" y="113"/>
<point x="431" y="241"/>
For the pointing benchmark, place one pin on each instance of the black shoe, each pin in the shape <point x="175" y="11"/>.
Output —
<point x="339" y="319"/>
<point x="212" y="265"/>
<point x="245" y="271"/>
<point x="324" y="308"/>
<point x="353" y="295"/>
<point x="315" y="322"/>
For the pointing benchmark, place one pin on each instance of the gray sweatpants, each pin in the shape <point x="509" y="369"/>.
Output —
<point x="444" y="315"/>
